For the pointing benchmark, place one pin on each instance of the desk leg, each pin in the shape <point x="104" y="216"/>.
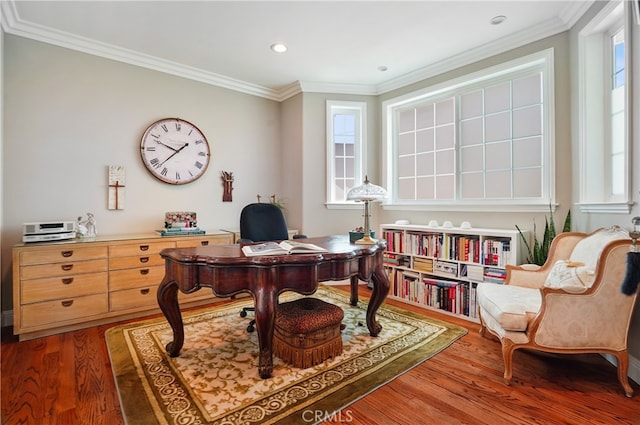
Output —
<point x="380" y="291"/>
<point x="265" y="303"/>
<point x="354" y="290"/>
<point x="168" y="302"/>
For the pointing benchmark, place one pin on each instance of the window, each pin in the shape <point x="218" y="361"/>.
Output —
<point x="604" y="135"/>
<point x="481" y="141"/>
<point x="345" y="148"/>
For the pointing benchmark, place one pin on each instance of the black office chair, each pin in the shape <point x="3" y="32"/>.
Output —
<point x="260" y="223"/>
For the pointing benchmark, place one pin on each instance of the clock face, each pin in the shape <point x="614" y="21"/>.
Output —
<point x="175" y="151"/>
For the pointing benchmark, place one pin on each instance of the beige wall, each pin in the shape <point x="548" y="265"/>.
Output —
<point x="292" y="163"/>
<point x="317" y="219"/>
<point x="68" y="115"/>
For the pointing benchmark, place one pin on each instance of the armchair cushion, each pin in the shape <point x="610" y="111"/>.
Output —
<point x="570" y="277"/>
<point x="577" y="273"/>
<point x="513" y="307"/>
<point x="588" y="250"/>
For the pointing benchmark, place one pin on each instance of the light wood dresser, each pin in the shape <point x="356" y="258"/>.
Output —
<point x="62" y="286"/>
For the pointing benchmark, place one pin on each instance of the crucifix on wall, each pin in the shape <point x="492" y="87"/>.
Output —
<point x="116" y="187"/>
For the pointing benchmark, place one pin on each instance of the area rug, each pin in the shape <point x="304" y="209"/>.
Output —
<point x="215" y="378"/>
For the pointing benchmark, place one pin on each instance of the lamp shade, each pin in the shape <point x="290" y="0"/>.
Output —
<point x="366" y="192"/>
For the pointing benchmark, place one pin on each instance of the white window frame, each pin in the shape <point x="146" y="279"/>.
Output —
<point x="360" y="110"/>
<point x="595" y="111"/>
<point x="542" y="60"/>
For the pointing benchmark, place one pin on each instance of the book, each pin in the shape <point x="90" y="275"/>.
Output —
<point x="181" y="231"/>
<point x="284" y="247"/>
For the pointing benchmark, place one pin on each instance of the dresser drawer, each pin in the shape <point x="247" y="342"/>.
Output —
<point x="135" y="278"/>
<point x="62" y="254"/>
<point x="69" y="309"/>
<point x="143" y="249"/>
<point x="205" y="241"/>
<point x="69" y="269"/>
<point x="134" y="298"/>
<point x="53" y="288"/>
<point x="116" y="263"/>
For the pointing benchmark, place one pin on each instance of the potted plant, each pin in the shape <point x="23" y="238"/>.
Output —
<point x="539" y="250"/>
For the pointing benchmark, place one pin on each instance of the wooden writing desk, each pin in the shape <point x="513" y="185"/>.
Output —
<point x="226" y="270"/>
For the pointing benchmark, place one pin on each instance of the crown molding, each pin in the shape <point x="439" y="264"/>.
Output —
<point x="12" y="24"/>
<point x="568" y="18"/>
<point x="338" y="88"/>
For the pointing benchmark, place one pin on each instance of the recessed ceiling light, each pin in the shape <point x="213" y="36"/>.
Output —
<point x="279" y="48"/>
<point x="497" y="20"/>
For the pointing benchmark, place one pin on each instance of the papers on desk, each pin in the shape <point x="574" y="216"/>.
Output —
<point x="282" y="248"/>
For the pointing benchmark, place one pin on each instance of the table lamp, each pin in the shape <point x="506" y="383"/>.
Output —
<point x="366" y="193"/>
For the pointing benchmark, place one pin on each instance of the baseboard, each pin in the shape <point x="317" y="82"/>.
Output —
<point x="634" y="366"/>
<point x="7" y="318"/>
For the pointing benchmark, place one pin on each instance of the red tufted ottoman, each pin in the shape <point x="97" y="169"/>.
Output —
<point x="307" y="332"/>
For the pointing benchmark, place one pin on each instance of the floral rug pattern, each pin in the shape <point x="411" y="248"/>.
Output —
<point x="215" y="378"/>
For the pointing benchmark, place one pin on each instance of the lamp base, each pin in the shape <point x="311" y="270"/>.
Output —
<point x="366" y="240"/>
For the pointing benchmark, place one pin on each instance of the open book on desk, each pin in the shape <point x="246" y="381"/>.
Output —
<point x="284" y="247"/>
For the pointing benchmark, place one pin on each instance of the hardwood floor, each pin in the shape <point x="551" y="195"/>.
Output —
<point x="66" y="379"/>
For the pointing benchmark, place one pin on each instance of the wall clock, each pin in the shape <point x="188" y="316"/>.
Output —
<point x="175" y="151"/>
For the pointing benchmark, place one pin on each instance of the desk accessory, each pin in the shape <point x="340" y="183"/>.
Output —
<point x="180" y="223"/>
<point x="367" y="192"/>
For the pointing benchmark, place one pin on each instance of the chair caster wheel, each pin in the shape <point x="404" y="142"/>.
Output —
<point x="243" y="313"/>
<point x="250" y="328"/>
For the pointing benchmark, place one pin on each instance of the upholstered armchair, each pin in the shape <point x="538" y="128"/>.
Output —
<point x="572" y="304"/>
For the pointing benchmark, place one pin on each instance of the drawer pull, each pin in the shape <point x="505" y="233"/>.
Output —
<point x="67" y="254"/>
<point x="67" y="303"/>
<point x="144" y="259"/>
<point x="144" y="247"/>
<point x="67" y="280"/>
<point x="144" y="291"/>
<point x="144" y="272"/>
<point x="204" y="243"/>
<point x="67" y="267"/>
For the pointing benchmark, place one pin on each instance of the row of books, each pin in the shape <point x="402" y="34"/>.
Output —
<point x="447" y="269"/>
<point x="494" y="252"/>
<point x="396" y="260"/>
<point x="394" y="240"/>
<point x="494" y="275"/>
<point x="452" y="296"/>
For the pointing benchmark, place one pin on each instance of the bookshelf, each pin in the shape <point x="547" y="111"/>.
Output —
<point x="440" y="268"/>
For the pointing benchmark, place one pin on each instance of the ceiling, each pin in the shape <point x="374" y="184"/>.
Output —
<point x="333" y="46"/>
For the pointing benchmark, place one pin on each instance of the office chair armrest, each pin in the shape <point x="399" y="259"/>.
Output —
<point x="244" y="240"/>
<point x="299" y="236"/>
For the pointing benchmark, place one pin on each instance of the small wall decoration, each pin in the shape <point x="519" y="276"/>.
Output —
<point x="116" y="187"/>
<point x="227" y="183"/>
